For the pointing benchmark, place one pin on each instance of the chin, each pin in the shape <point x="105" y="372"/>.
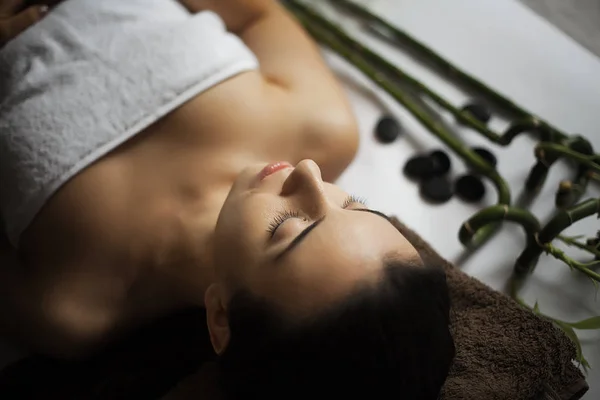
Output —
<point x="337" y="164"/>
<point x="340" y="152"/>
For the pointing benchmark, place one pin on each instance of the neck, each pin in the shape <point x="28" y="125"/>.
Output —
<point x="190" y="261"/>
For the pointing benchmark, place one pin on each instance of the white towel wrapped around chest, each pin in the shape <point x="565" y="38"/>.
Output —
<point x="88" y="77"/>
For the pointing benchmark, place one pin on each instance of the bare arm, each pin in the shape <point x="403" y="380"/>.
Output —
<point x="18" y="15"/>
<point x="290" y="63"/>
<point x="288" y="57"/>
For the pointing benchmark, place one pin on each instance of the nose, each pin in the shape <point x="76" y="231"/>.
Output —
<point x="304" y="186"/>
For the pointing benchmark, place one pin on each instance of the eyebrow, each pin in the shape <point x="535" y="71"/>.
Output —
<point x="302" y="235"/>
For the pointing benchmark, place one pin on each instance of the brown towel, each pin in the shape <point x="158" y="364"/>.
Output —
<point x="503" y="352"/>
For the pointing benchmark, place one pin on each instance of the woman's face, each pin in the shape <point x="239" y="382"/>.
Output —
<point x="285" y="235"/>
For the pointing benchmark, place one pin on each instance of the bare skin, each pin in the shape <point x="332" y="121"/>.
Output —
<point x="15" y="17"/>
<point x="153" y="226"/>
<point x="124" y="241"/>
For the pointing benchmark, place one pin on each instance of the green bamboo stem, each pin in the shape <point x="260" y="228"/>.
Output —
<point x="528" y="258"/>
<point x="568" y="217"/>
<point x="538" y="174"/>
<point x="582" y="246"/>
<point x="325" y="37"/>
<point x="549" y="149"/>
<point x="500" y="213"/>
<point x="582" y="178"/>
<point x="567" y="194"/>
<point x="545" y="159"/>
<point x="581" y="182"/>
<point x="570" y="192"/>
<point x="581" y="267"/>
<point x="449" y="69"/>
<point x="528" y="124"/>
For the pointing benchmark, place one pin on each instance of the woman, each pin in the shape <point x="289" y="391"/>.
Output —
<point x="140" y="157"/>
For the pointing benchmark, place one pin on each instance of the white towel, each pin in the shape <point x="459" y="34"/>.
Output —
<point x="91" y="75"/>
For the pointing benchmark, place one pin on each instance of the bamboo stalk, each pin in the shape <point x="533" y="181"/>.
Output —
<point x="582" y="178"/>
<point x="582" y="246"/>
<point x="446" y="66"/>
<point x="547" y="153"/>
<point x="539" y="172"/>
<point x="312" y="23"/>
<point x="581" y="267"/>
<point x="563" y="219"/>
<point x="590" y="161"/>
<point x="528" y="124"/>
<point x="500" y="213"/>
<point x="570" y="192"/>
<point x="545" y="159"/>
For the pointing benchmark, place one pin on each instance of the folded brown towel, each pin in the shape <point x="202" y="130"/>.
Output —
<point x="503" y="352"/>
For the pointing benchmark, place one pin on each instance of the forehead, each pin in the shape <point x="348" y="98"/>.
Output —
<point x="353" y="240"/>
<point x="340" y="253"/>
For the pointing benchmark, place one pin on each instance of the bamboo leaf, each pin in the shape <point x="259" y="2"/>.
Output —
<point x="536" y="308"/>
<point x="576" y="237"/>
<point x="587" y="324"/>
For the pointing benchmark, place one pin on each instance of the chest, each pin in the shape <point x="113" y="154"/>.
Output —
<point x="115" y="204"/>
<point x="243" y="118"/>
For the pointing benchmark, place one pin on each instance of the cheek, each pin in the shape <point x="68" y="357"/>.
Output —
<point x="235" y="236"/>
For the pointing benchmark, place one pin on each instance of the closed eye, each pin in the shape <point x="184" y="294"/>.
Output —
<point x="302" y="235"/>
<point x="283" y="216"/>
<point x="280" y="218"/>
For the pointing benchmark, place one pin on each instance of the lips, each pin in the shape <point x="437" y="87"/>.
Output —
<point x="272" y="168"/>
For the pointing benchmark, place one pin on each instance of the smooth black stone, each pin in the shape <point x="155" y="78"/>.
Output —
<point x="469" y="188"/>
<point x="437" y="189"/>
<point x="388" y="129"/>
<point x="479" y="111"/>
<point x="441" y="162"/>
<point x="419" y="167"/>
<point x="486" y="155"/>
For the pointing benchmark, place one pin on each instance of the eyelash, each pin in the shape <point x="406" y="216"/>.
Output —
<point x="287" y="214"/>
<point x="354" y="200"/>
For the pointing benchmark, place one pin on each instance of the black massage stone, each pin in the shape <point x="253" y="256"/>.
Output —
<point x="441" y="162"/>
<point x="419" y="167"/>
<point x="470" y="188"/>
<point x="479" y="111"/>
<point x="388" y="129"/>
<point x="436" y="189"/>
<point x="486" y="155"/>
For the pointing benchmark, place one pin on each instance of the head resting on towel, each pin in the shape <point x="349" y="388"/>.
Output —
<point x="317" y="294"/>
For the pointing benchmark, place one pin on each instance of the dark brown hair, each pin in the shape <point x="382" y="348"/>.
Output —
<point x="388" y="340"/>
